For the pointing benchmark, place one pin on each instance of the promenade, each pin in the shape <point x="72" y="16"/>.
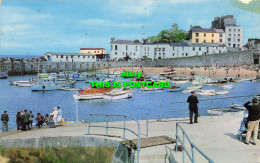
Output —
<point x="215" y="136"/>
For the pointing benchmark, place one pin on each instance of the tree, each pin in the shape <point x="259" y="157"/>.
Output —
<point x="164" y="36"/>
<point x="136" y="41"/>
<point x="196" y="26"/>
<point x="153" y="39"/>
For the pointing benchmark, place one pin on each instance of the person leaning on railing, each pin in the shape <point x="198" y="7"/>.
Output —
<point x="253" y="120"/>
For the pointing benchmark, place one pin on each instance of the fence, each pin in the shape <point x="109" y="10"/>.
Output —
<point x="122" y="128"/>
<point x="193" y="146"/>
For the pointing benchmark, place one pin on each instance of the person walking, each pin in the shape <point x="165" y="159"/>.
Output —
<point x="55" y="114"/>
<point x="5" y="119"/>
<point x="253" y="120"/>
<point x="18" y="120"/>
<point x="193" y="107"/>
<point x="59" y="115"/>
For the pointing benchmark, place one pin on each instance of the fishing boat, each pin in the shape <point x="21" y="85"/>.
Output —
<point x="92" y="93"/>
<point x="206" y="94"/>
<point x="215" y="111"/>
<point x="222" y="93"/>
<point x="226" y="86"/>
<point x="48" y="84"/>
<point x="3" y="75"/>
<point x="208" y="91"/>
<point x="180" y="81"/>
<point x="118" y="93"/>
<point x="187" y="91"/>
<point x="175" y="89"/>
<point x="25" y="83"/>
<point x="195" y="87"/>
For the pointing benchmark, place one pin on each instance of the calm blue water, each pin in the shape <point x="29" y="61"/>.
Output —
<point x="14" y="99"/>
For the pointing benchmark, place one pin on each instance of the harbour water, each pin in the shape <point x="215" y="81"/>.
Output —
<point x="158" y="104"/>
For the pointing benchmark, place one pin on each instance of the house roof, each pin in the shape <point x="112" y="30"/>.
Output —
<point x="92" y="48"/>
<point x="206" y="30"/>
<point x="178" y="44"/>
<point x="204" y="45"/>
<point x="69" y="54"/>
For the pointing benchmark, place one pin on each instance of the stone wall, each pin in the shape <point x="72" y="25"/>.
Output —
<point x="231" y="58"/>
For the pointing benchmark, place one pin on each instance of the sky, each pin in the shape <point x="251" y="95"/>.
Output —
<point x="34" y="27"/>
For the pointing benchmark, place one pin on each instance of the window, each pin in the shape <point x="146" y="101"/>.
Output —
<point x="173" y="49"/>
<point x="84" y="57"/>
<point x="93" y="57"/>
<point x="197" y="40"/>
<point x="238" y="40"/>
<point x="123" y="53"/>
<point x="234" y="35"/>
<point x="71" y="56"/>
<point x="229" y="30"/>
<point x="229" y="35"/>
<point x="78" y="56"/>
<point x="182" y="48"/>
<point x="136" y="48"/>
<point x="111" y="47"/>
<point x="115" y="47"/>
<point x="144" y="48"/>
<point x="220" y="40"/>
<point x="229" y="44"/>
<point x="212" y="35"/>
<point x="148" y="48"/>
<point x="126" y="47"/>
<point x="204" y="41"/>
<point x="61" y="56"/>
<point x="172" y="54"/>
<point x="238" y="45"/>
<point x="164" y="54"/>
<point x="159" y="53"/>
<point x="186" y="54"/>
<point x="238" y="30"/>
<point x="115" y="53"/>
<point x="56" y="56"/>
<point x="155" y="49"/>
<point x="234" y="30"/>
<point x="159" y="49"/>
<point x="88" y="57"/>
<point x="212" y="41"/>
<point x="94" y="51"/>
<point x="163" y="49"/>
<point x="193" y="48"/>
<point x="220" y="35"/>
<point x="238" y="35"/>
<point x="229" y="39"/>
<point x="134" y="54"/>
<point x="197" y="34"/>
<point x="148" y="53"/>
<point x="199" y="48"/>
<point x="182" y="54"/>
<point x="204" y="34"/>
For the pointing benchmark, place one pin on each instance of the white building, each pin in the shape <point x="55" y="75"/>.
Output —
<point x="234" y="36"/>
<point x="70" y="57"/>
<point x="122" y="49"/>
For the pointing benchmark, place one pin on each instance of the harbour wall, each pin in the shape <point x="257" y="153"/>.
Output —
<point x="231" y="58"/>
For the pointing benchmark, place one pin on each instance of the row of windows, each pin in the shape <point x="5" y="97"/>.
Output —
<point x="197" y="41"/>
<point x="159" y="49"/>
<point x="197" y="35"/>
<point x="229" y="40"/>
<point x="57" y="56"/>
<point x="234" y="30"/>
<point x="234" y="35"/>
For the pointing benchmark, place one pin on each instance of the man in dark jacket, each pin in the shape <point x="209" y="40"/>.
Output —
<point x="26" y="120"/>
<point x="253" y="120"/>
<point x="193" y="101"/>
<point x="5" y="119"/>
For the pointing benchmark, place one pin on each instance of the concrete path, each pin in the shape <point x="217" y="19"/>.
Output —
<point x="216" y="137"/>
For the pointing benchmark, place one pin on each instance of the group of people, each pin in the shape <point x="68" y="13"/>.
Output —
<point x="252" y="120"/>
<point x="24" y="119"/>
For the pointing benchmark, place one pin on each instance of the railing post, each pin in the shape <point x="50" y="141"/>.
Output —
<point x="147" y="124"/>
<point x="106" y="124"/>
<point x="139" y="143"/>
<point x="183" y="146"/>
<point x="88" y="128"/>
<point x="184" y="110"/>
<point x="124" y="128"/>
<point x="176" y="150"/>
<point x="192" y="150"/>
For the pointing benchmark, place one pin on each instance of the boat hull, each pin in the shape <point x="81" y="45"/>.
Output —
<point x="117" y="97"/>
<point x="88" y="96"/>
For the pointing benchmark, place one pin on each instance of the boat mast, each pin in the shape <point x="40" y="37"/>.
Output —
<point x="108" y="68"/>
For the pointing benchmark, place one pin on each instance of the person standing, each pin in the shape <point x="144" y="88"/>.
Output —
<point x="253" y="120"/>
<point x="193" y="107"/>
<point x="18" y="120"/>
<point x="59" y="115"/>
<point x="31" y="118"/>
<point x="5" y="119"/>
<point x="55" y="114"/>
<point x="26" y="121"/>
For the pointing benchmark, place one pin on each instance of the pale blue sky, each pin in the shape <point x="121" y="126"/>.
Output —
<point x="40" y="26"/>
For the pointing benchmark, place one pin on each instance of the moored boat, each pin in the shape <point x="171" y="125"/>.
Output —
<point x="175" y="89"/>
<point x="92" y="93"/>
<point x="222" y="93"/>
<point x="195" y="87"/>
<point x="48" y="84"/>
<point x="205" y="94"/>
<point x="118" y="93"/>
<point x="3" y="75"/>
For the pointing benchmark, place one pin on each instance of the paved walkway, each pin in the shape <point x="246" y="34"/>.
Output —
<point x="216" y="137"/>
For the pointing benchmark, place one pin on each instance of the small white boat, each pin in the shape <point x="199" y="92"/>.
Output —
<point x="26" y="83"/>
<point x="195" y="87"/>
<point x="69" y="89"/>
<point x="205" y="94"/>
<point x="175" y="89"/>
<point x="180" y="81"/>
<point x="187" y="91"/>
<point x="118" y="93"/>
<point x="215" y="111"/>
<point x="226" y="86"/>
<point x="208" y="91"/>
<point x="222" y="93"/>
<point x="151" y="88"/>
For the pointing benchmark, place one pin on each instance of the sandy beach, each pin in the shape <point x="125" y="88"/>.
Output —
<point x="243" y="71"/>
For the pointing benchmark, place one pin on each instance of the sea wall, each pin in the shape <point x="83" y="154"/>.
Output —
<point x="231" y="58"/>
<point x="120" y="155"/>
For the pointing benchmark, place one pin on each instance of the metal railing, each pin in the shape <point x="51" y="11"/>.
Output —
<point x="122" y="128"/>
<point x="193" y="146"/>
